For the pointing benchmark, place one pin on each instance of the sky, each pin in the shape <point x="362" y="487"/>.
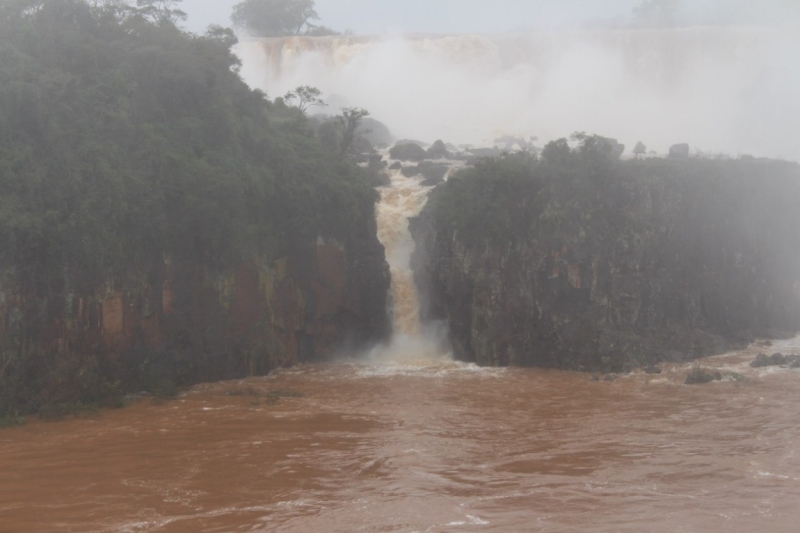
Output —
<point x="491" y="16"/>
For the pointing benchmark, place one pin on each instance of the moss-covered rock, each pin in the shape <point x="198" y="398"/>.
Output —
<point x="578" y="260"/>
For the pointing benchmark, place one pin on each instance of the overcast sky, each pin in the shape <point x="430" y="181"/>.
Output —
<point x="481" y="16"/>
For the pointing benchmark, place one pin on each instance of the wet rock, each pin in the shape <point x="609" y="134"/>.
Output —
<point x="595" y="377"/>
<point x="764" y="343"/>
<point x="610" y="377"/>
<point x="434" y="175"/>
<point x="679" y="151"/>
<point x="410" y="141"/>
<point x="672" y="356"/>
<point x="377" y="133"/>
<point x="699" y="376"/>
<point x="586" y="295"/>
<point x="438" y="150"/>
<point x="375" y="161"/>
<point x="380" y="179"/>
<point x="653" y="369"/>
<point x="762" y="360"/>
<point x="397" y="165"/>
<point x="409" y="172"/>
<point x="408" y="152"/>
<point x="375" y="174"/>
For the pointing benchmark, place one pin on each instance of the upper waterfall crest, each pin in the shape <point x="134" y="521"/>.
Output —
<point x="720" y="89"/>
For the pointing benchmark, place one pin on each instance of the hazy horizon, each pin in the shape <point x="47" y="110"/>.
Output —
<point x="470" y="16"/>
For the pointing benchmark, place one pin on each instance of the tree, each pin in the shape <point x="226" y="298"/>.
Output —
<point x="161" y="10"/>
<point x="639" y="149"/>
<point x="273" y="18"/>
<point x="306" y="97"/>
<point x="348" y="123"/>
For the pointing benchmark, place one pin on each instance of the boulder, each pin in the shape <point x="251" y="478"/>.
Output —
<point x="375" y="162"/>
<point x="409" y="171"/>
<point x="434" y="174"/>
<point x="438" y="150"/>
<point x="380" y="179"/>
<point x="699" y="376"/>
<point x="652" y="369"/>
<point x="410" y="141"/>
<point x="377" y="133"/>
<point x="397" y="165"/>
<point x="679" y="151"/>
<point x="762" y="360"/>
<point x="672" y="356"/>
<point x="408" y="152"/>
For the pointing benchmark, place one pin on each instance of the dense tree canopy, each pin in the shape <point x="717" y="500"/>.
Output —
<point x="124" y="139"/>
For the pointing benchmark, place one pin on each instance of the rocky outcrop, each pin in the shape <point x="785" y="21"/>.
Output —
<point x="408" y="152"/>
<point x="679" y="151"/>
<point x="613" y="266"/>
<point x="199" y="325"/>
<point x="438" y="150"/>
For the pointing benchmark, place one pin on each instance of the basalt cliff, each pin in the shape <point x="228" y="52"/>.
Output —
<point x="161" y="223"/>
<point x="577" y="260"/>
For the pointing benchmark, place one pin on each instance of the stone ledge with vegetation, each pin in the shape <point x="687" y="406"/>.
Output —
<point x="577" y="260"/>
<point x="160" y="222"/>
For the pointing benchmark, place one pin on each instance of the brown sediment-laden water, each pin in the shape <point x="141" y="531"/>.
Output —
<point x="423" y="446"/>
<point x="405" y="440"/>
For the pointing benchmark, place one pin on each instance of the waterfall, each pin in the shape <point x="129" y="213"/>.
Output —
<point x="729" y="90"/>
<point x="403" y="198"/>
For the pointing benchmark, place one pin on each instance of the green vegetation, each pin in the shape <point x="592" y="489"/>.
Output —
<point x="276" y="18"/>
<point x="582" y="193"/>
<point x="124" y="140"/>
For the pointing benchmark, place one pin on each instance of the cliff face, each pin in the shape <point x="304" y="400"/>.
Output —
<point x="182" y="323"/>
<point x="613" y="266"/>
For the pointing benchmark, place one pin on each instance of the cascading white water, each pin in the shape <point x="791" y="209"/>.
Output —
<point x="403" y="198"/>
<point x="729" y="90"/>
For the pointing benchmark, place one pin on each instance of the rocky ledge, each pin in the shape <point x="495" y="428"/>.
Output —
<point x="577" y="260"/>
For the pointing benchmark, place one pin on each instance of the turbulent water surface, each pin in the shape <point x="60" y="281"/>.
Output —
<point x="406" y="440"/>
<point x="422" y="446"/>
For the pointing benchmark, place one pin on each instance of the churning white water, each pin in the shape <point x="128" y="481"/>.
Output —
<point x="411" y="342"/>
<point x="731" y="90"/>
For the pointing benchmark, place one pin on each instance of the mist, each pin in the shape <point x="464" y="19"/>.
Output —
<point x="721" y="90"/>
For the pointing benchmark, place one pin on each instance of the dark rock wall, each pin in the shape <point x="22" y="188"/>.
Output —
<point x="321" y="297"/>
<point x="685" y="263"/>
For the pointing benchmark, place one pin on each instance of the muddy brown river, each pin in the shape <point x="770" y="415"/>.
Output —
<point x="401" y="440"/>
<point x="425" y="446"/>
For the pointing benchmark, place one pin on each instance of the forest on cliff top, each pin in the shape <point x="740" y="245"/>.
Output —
<point x="124" y="139"/>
